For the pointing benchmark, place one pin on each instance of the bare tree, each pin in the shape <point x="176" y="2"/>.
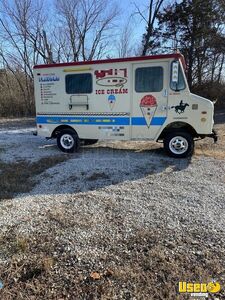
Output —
<point x="80" y="32"/>
<point x="21" y="26"/>
<point x="85" y="24"/>
<point x="150" y="20"/>
<point x="124" y="44"/>
<point x="24" y="43"/>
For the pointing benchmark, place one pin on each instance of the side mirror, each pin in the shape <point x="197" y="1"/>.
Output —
<point x="177" y="80"/>
<point x="175" y="72"/>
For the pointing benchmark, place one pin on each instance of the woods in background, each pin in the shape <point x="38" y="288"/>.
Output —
<point x="32" y="32"/>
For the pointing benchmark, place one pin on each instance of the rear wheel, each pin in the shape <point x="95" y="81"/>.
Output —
<point x="68" y="140"/>
<point x="179" y="144"/>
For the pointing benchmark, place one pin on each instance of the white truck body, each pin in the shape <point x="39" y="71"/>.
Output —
<point x="122" y="99"/>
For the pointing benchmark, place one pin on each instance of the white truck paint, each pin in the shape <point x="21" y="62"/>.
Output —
<point x="124" y="99"/>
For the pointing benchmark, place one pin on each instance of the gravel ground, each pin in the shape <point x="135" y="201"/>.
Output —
<point x="20" y="144"/>
<point x="103" y="206"/>
<point x="180" y="196"/>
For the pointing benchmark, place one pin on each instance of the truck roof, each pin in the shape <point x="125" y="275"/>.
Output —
<point x="113" y="60"/>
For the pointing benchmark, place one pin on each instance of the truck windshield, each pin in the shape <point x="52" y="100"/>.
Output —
<point x="180" y="83"/>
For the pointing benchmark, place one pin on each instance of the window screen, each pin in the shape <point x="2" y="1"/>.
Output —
<point x="149" y="79"/>
<point x="79" y="83"/>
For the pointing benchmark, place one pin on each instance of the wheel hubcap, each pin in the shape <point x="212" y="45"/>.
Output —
<point x="178" y="145"/>
<point x="67" y="141"/>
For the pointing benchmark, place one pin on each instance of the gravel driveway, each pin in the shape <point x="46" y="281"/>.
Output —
<point x="114" y="224"/>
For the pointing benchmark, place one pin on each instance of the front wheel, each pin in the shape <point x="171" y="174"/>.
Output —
<point x="179" y="144"/>
<point x="68" y="141"/>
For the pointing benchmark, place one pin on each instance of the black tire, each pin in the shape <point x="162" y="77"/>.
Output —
<point x="89" y="142"/>
<point x="68" y="141"/>
<point x="179" y="144"/>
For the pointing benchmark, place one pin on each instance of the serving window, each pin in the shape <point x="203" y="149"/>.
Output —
<point x="79" y="83"/>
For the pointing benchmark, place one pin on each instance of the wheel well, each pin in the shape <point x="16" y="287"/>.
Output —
<point x="60" y="128"/>
<point x="182" y="126"/>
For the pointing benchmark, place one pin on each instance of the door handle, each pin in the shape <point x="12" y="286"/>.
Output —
<point x="165" y="93"/>
<point x="164" y="107"/>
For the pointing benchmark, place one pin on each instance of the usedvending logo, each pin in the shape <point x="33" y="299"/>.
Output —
<point x="179" y="109"/>
<point x="197" y="289"/>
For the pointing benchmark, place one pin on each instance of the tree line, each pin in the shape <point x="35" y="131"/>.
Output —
<point x="33" y="32"/>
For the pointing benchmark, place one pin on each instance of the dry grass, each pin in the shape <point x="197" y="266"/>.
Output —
<point x="206" y="147"/>
<point x="149" y="267"/>
<point x="7" y="123"/>
<point x="18" y="177"/>
<point x="206" y="151"/>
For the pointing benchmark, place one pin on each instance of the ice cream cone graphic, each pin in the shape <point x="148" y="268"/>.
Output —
<point x="112" y="101"/>
<point x="148" y="107"/>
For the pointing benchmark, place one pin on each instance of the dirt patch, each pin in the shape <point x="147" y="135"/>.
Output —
<point x="18" y="177"/>
<point x="97" y="176"/>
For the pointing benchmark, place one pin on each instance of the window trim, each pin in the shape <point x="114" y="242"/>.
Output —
<point x="135" y="88"/>
<point x="79" y="93"/>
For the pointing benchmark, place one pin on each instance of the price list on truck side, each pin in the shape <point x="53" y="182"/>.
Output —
<point x="47" y="89"/>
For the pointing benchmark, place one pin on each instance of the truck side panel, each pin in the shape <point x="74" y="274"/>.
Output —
<point x="103" y="112"/>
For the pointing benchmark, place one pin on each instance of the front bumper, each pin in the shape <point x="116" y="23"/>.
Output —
<point x="213" y="135"/>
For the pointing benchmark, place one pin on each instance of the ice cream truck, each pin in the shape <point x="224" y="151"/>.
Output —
<point x="136" y="98"/>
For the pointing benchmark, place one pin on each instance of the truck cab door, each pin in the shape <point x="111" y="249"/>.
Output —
<point x="150" y="97"/>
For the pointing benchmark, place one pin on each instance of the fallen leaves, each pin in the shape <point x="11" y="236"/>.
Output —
<point x="95" y="275"/>
<point x="98" y="276"/>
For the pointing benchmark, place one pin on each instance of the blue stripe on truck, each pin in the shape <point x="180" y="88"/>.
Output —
<point x="136" y="121"/>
